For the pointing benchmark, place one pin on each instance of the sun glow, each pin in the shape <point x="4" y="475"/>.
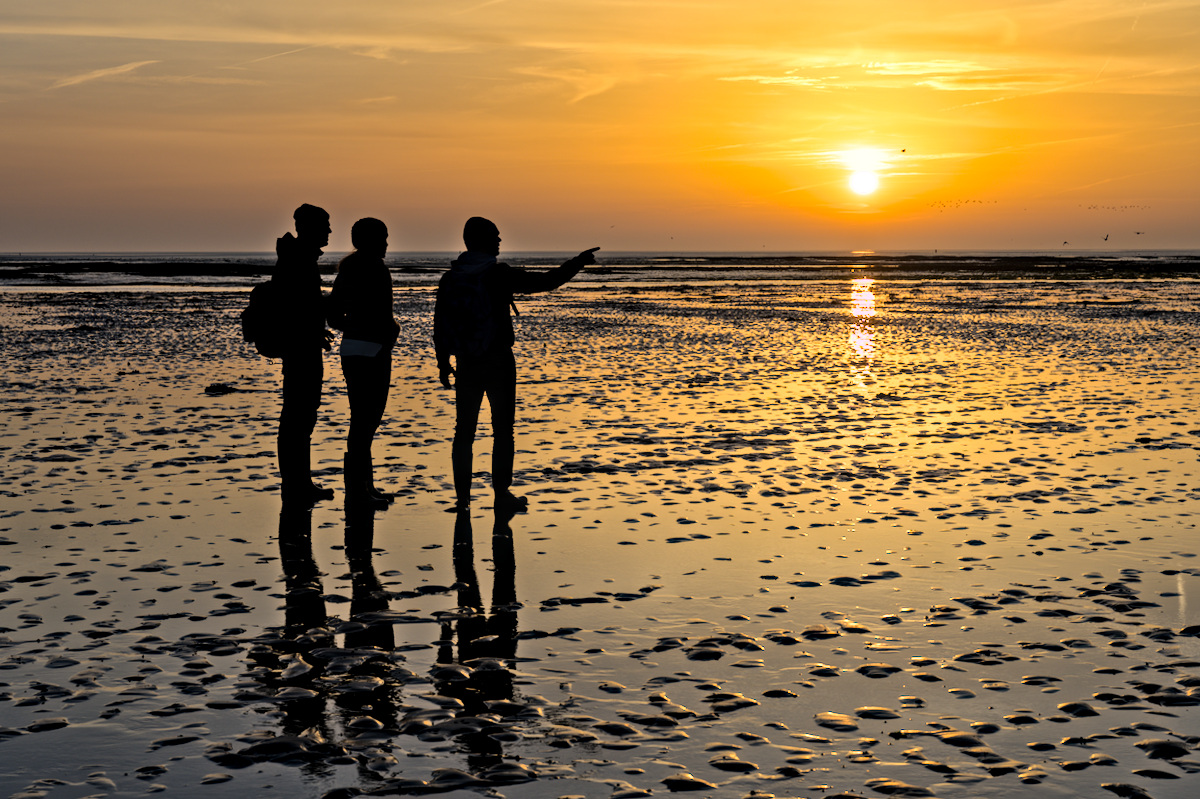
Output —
<point x="864" y="164"/>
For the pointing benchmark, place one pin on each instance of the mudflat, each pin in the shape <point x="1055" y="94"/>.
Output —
<point x="828" y="538"/>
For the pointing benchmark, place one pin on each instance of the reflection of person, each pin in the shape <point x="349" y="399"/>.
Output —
<point x="472" y="323"/>
<point x="493" y="635"/>
<point x="367" y="593"/>
<point x="486" y="642"/>
<point x="299" y="281"/>
<point x="368" y="630"/>
<point x="306" y="625"/>
<point x="304" y="599"/>
<point x="294" y="664"/>
<point x="360" y="305"/>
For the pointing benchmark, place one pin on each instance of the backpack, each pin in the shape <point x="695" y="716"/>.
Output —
<point x="263" y="320"/>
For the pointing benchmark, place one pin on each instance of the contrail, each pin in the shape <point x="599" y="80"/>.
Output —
<point x="98" y="74"/>
<point x="273" y="55"/>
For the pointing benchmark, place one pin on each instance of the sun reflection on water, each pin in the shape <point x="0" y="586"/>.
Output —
<point x="862" y="299"/>
<point x="862" y="306"/>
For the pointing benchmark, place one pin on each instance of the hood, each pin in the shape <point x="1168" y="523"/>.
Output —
<point x="290" y="245"/>
<point x="472" y="263"/>
<point x="285" y="243"/>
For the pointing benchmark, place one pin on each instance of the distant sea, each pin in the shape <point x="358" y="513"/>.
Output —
<point x="241" y="269"/>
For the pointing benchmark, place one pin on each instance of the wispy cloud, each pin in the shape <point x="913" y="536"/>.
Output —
<point x="370" y="37"/>
<point x="378" y="52"/>
<point x="933" y="67"/>
<point x="585" y="82"/>
<point x="100" y="74"/>
<point x="479" y="7"/>
<point x="1089" y="84"/>
<point x="938" y="74"/>
<point x="782" y="80"/>
<point x="204" y="80"/>
<point x="991" y="81"/>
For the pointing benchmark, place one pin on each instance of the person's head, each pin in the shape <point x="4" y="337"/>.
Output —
<point x="312" y="225"/>
<point x="481" y="236"/>
<point x="369" y="236"/>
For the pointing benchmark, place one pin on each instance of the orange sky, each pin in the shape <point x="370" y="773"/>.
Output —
<point x="628" y="124"/>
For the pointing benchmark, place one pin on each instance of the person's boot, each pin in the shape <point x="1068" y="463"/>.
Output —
<point x="461" y="462"/>
<point x="371" y="489"/>
<point x="502" y="476"/>
<point x="358" y="484"/>
<point x="295" y="475"/>
<point x="509" y="503"/>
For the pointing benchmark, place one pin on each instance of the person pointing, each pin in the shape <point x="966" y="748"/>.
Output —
<point x="472" y="325"/>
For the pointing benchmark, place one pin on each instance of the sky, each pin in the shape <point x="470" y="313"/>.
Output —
<point x="662" y="125"/>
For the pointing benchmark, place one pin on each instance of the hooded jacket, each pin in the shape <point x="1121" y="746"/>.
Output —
<point x="298" y="280"/>
<point x="471" y="318"/>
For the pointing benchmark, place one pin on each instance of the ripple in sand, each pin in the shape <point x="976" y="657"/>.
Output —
<point x="732" y="762"/>
<point x="893" y="787"/>
<point x="836" y="721"/>
<point x="1162" y="749"/>
<point x="1078" y="709"/>
<point x="728" y="701"/>
<point x="876" y="713"/>
<point x="877" y="670"/>
<point x="45" y="725"/>
<point x="1125" y="790"/>
<point x="684" y="781"/>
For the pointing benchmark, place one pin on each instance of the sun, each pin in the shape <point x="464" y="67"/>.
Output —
<point x="864" y="165"/>
<point x="864" y="182"/>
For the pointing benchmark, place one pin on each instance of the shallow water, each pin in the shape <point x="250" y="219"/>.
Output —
<point x="854" y="537"/>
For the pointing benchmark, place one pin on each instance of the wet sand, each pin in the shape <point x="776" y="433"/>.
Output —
<point x="827" y="538"/>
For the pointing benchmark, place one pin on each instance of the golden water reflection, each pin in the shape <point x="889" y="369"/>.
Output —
<point x="862" y="332"/>
<point x="862" y="298"/>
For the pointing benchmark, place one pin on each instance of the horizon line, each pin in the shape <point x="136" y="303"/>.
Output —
<point x="711" y="252"/>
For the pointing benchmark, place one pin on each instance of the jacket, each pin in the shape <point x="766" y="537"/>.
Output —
<point x="471" y="317"/>
<point x="298" y="280"/>
<point x="360" y="304"/>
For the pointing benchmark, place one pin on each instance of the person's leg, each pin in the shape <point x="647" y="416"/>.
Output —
<point x="302" y="376"/>
<point x="468" y="396"/>
<point x="381" y="383"/>
<point x="367" y="389"/>
<point x="502" y="397"/>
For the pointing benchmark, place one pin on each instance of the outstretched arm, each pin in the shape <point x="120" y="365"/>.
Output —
<point x="526" y="282"/>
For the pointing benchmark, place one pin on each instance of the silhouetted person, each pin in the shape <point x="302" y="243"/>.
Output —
<point x="360" y="305"/>
<point x="472" y="323"/>
<point x="299" y="281"/>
